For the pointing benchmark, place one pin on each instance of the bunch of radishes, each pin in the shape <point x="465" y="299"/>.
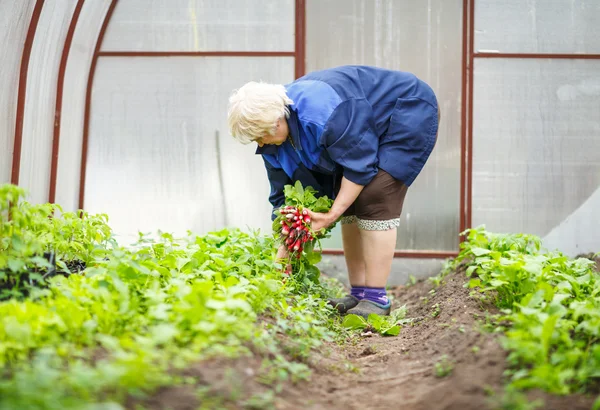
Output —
<point x="295" y="228"/>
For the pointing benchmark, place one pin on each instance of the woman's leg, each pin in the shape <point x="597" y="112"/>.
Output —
<point x="378" y="249"/>
<point x="355" y="263"/>
<point x="378" y="209"/>
<point x="353" y="252"/>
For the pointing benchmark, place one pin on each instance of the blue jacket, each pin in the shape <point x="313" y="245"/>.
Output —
<point x="350" y="121"/>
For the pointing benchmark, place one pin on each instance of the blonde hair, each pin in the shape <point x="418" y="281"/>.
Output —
<point x="254" y="110"/>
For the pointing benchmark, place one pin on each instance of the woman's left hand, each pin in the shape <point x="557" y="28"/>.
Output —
<point x="320" y="220"/>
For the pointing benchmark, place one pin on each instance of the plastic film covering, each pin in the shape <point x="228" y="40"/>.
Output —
<point x="14" y="22"/>
<point x="536" y="142"/>
<point x="160" y="153"/>
<point x="73" y="105"/>
<point x="424" y="38"/>
<point x="201" y="25"/>
<point x="537" y="26"/>
<point x="38" y="122"/>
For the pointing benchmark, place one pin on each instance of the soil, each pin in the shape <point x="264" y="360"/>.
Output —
<point x="379" y="372"/>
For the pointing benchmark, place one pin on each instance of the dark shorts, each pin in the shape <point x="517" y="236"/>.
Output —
<point x="380" y="200"/>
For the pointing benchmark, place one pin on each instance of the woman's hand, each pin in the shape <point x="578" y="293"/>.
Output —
<point x="349" y="191"/>
<point x="283" y="256"/>
<point x="320" y="220"/>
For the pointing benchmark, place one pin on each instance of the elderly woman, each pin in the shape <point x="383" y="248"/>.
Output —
<point x="360" y="135"/>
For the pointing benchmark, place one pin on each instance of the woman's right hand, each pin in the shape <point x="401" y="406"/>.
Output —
<point x="283" y="256"/>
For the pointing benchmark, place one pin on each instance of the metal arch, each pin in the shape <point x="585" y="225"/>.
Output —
<point x="300" y="40"/>
<point x="88" y="97"/>
<point x="59" y="98"/>
<point x="25" y="56"/>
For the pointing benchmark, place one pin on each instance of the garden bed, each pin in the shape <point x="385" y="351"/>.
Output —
<point x="448" y="359"/>
<point x="210" y="322"/>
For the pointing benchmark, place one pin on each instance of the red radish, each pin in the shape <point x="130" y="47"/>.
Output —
<point x="297" y="245"/>
<point x="305" y="212"/>
<point x="289" y="216"/>
<point x="307" y="219"/>
<point x="285" y="230"/>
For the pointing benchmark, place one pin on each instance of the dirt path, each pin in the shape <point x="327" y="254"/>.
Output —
<point x="385" y="372"/>
<point x="399" y="372"/>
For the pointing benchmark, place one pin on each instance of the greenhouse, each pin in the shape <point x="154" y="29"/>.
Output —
<point x="149" y="260"/>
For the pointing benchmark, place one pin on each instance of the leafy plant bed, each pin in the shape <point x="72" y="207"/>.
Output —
<point x="20" y="283"/>
<point x="213" y="322"/>
<point x="504" y="326"/>
<point x="137" y="321"/>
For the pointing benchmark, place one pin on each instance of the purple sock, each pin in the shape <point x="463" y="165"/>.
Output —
<point x="358" y="292"/>
<point x="376" y="295"/>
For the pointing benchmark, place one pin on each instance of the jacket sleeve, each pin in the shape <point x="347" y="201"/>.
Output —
<point x="351" y="142"/>
<point x="278" y="180"/>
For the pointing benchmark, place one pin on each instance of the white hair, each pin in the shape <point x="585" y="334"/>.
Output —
<point x="255" y="109"/>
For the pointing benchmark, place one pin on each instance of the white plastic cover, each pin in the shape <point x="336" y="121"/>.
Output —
<point x="536" y="142"/>
<point x="537" y="26"/>
<point x="14" y="22"/>
<point x="40" y="102"/>
<point x="160" y="153"/>
<point x="73" y="105"/>
<point x="201" y="25"/>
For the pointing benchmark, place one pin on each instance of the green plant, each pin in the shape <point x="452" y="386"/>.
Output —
<point x="512" y="399"/>
<point x="443" y="367"/>
<point x="436" y="310"/>
<point x="136" y="317"/>
<point x="291" y="228"/>
<point x="550" y="308"/>
<point x="385" y="325"/>
<point x="33" y="240"/>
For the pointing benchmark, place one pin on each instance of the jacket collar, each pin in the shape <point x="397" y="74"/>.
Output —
<point x="294" y="129"/>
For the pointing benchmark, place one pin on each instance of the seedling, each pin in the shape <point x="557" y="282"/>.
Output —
<point x="436" y="310"/>
<point x="443" y="367"/>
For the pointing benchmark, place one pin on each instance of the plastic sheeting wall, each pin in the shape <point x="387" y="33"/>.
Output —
<point x="14" y="22"/>
<point x="536" y="123"/>
<point x="73" y="105"/>
<point x="40" y="102"/>
<point x="424" y="38"/>
<point x="207" y="25"/>
<point x="160" y="154"/>
<point x="536" y="141"/>
<point x="537" y="26"/>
